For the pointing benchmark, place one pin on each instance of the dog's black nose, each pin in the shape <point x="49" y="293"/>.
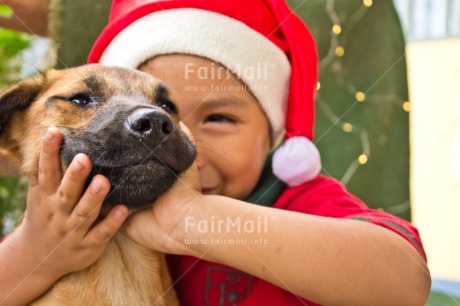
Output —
<point x="144" y="122"/>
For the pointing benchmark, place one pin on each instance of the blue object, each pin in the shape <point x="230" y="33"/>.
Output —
<point x="447" y="287"/>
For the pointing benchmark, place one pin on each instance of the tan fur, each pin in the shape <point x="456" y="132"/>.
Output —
<point x="130" y="273"/>
<point x="127" y="273"/>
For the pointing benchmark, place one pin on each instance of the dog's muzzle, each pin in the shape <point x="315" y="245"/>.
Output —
<point x="138" y="148"/>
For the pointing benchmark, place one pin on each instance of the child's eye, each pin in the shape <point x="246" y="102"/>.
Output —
<point x="220" y="119"/>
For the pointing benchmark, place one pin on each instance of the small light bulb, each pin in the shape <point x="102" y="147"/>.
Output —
<point x="318" y="86"/>
<point x="336" y="29"/>
<point x="367" y="3"/>
<point x="362" y="159"/>
<point x="340" y="51"/>
<point x="360" y="96"/>
<point x="407" y="106"/>
<point x="347" y="127"/>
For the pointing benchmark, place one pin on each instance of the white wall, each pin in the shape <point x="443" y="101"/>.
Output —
<point x="434" y="77"/>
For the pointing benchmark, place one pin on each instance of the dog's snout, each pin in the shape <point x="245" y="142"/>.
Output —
<point x="146" y="121"/>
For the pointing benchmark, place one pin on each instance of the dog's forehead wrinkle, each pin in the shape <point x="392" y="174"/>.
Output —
<point x="140" y="82"/>
<point x="134" y="98"/>
<point x="125" y="77"/>
<point x="162" y="92"/>
<point x="94" y="84"/>
<point x="129" y="84"/>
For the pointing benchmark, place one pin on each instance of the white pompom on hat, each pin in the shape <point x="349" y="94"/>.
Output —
<point x="263" y="37"/>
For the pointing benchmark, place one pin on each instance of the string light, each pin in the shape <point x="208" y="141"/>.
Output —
<point x="362" y="159"/>
<point x="318" y="86"/>
<point x="347" y="127"/>
<point x="407" y="106"/>
<point x="360" y="96"/>
<point x="333" y="61"/>
<point x="367" y="3"/>
<point x="340" y="51"/>
<point x="336" y="29"/>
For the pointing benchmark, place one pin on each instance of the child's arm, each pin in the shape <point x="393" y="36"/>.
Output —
<point x="325" y="260"/>
<point x="57" y="235"/>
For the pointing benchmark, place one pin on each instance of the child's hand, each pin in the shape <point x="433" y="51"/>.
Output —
<point x="58" y="229"/>
<point x="161" y="227"/>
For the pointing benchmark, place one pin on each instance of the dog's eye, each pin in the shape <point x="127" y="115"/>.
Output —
<point x="81" y="99"/>
<point x="169" y="107"/>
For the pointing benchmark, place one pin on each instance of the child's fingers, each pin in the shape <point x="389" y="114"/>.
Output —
<point x="190" y="177"/>
<point x="50" y="172"/>
<point x="187" y="131"/>
<point x="33" y="193"/>
<point x="33" y="180"/>
<point x="139" y="227"/>
<point x="109" y="226"/>
<point x="88" y="208"/>
<point x="73" y="183"/>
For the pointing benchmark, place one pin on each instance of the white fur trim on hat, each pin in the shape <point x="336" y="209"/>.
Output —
<point x="258" y="62"/>
<point x="297" y="161"/>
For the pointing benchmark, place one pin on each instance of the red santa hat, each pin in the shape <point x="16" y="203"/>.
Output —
<point x="261" y="41"/>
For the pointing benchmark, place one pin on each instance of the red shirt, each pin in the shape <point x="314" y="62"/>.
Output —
<point x="199" y="282"/>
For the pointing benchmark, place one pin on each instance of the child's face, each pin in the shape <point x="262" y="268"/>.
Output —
<point x="230" y="129"/>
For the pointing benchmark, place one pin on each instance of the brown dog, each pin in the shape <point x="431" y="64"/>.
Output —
<point x="124" y="121"/>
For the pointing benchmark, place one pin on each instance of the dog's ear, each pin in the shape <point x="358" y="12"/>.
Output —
<point x="17" y="97"/>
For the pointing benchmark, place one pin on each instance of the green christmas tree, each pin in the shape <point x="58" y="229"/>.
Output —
<point x="362" y="118"/>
